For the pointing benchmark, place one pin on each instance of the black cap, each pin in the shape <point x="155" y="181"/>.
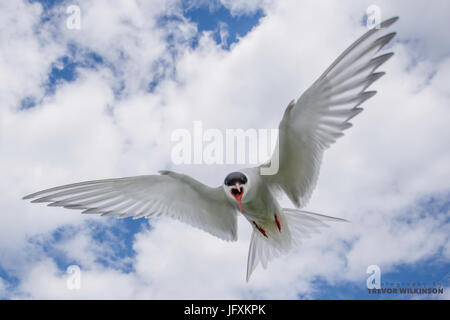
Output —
<point x="235" y="177"/>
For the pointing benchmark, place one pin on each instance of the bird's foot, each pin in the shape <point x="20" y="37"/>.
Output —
<point x="263" y="232"/>
<point x="277" y="221"/>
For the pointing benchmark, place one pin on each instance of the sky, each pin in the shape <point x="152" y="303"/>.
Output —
<point x="102" y="100"/>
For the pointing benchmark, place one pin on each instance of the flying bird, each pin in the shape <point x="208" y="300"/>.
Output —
<point x="309" y="126"/>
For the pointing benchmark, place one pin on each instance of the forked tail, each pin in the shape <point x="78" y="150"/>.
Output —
<point x="299" y="224"/>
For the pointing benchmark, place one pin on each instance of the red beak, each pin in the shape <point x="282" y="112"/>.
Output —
<point x="237" y="192"/>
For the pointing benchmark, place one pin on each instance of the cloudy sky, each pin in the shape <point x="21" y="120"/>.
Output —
<point x="102" y="100"/>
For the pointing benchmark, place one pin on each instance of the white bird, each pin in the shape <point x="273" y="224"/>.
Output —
<point x="309" y="126"/>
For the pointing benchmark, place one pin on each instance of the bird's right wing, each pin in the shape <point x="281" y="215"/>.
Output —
<point x="170" y="194"/>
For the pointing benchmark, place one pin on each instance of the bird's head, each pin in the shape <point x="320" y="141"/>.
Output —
<point x="235" y="185"/>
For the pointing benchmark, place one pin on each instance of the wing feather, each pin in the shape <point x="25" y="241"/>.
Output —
<point x="322" y="114"/>
<point x="169" y="194"/>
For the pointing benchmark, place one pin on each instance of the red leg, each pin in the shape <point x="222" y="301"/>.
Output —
<point x="263" y="232"/>
<point x="277" y="221"/>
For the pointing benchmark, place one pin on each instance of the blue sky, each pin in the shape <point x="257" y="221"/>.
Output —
<point x="211" y="17"/>
<point x="116" y="244"/>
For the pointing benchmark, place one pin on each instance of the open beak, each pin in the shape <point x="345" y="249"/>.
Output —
<point x="237" y="191"/>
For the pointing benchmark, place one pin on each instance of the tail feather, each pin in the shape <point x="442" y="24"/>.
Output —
<point x="296" y="225"/>
<point x="313" y="215"/>
<point x="304" y="223"/>
<point x="260" y="251"/>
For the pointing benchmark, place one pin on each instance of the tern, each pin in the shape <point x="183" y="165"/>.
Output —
<point x="309" y="126"/>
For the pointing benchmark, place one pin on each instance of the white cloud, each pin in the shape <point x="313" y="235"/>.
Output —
<point x="26" y="54"/>
<point x="393" y="158"/>
<point x="239" y="7"/>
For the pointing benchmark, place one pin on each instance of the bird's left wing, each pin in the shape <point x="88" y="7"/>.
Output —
<point x="319" y="117"/>
<point x="170" y="194"/>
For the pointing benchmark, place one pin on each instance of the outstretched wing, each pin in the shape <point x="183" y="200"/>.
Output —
<point x="319" y="117"/>
<point x="169" y="194"/>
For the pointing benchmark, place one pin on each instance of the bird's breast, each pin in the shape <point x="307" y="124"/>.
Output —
<point x="260" y="210"/>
